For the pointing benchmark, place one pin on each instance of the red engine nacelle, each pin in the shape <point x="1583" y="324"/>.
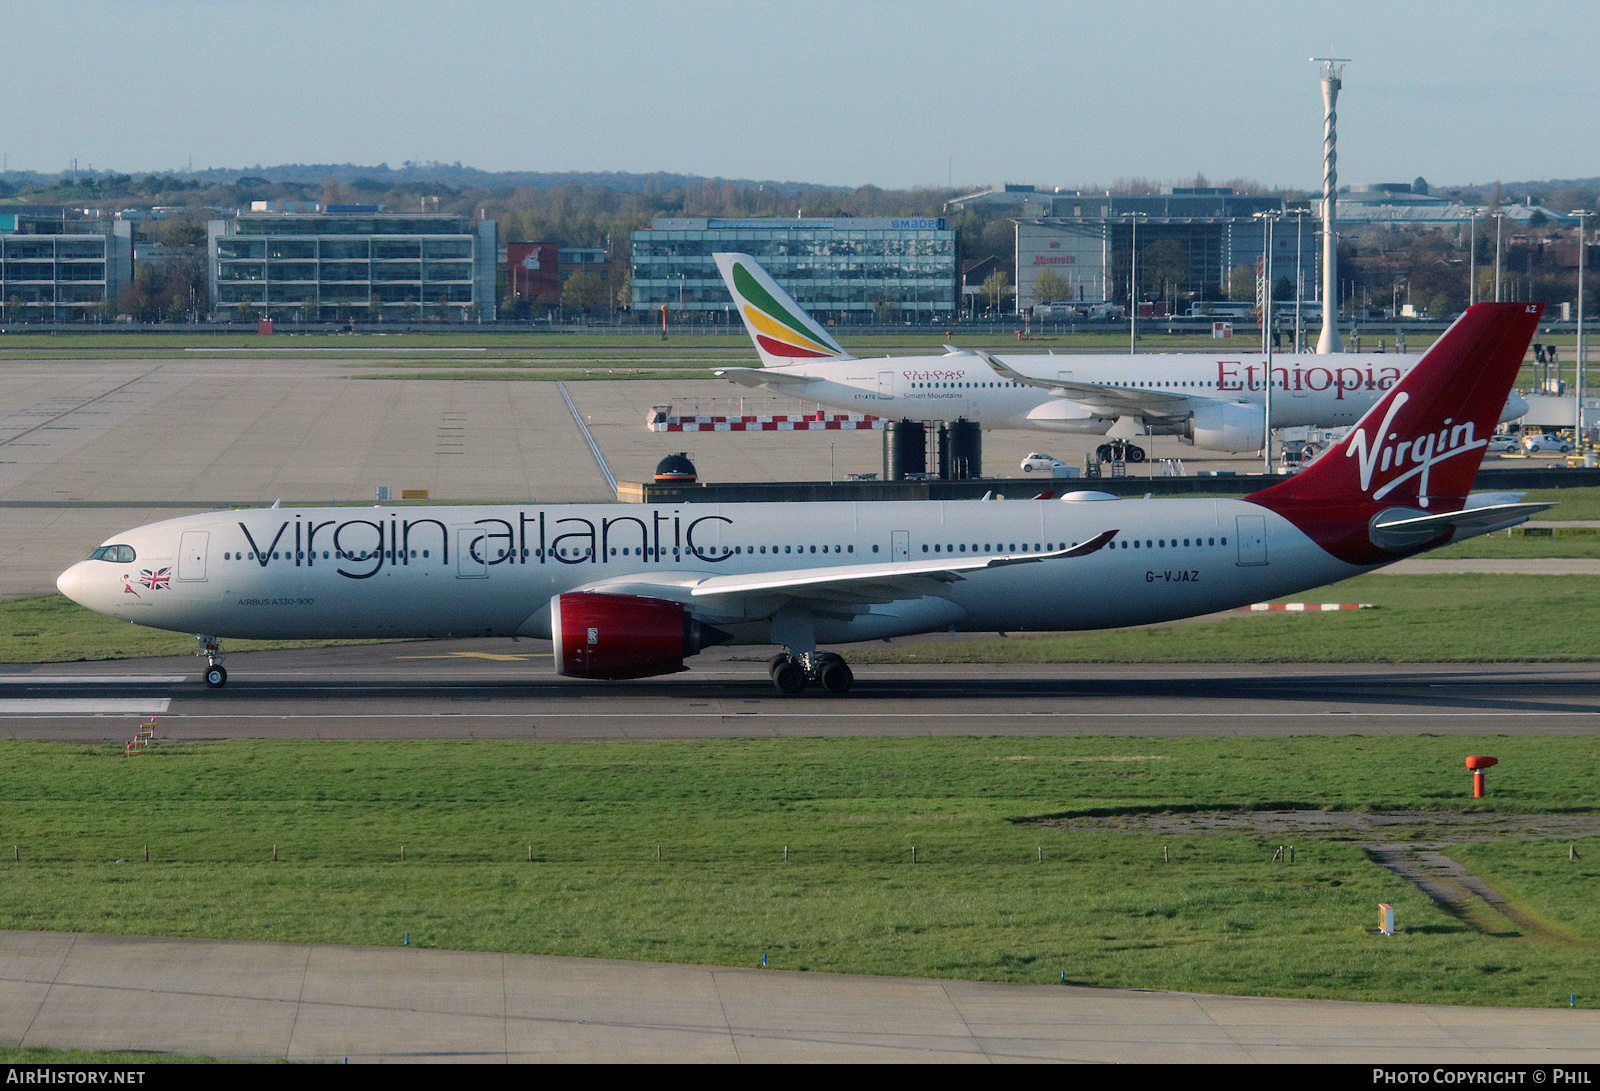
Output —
<point x="624" y="636"/>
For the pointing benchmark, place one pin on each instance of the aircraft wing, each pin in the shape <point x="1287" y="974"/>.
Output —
<point x="771" y="378"/>
<point x="884" y="582"/>
<point x="888" y="581"/>
<point x="1102" y="400"/>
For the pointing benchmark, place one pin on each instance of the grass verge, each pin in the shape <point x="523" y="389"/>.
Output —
<point x="1418" y="619"/>
<point x="801" y="850"/>
<point x="54" y="629"/>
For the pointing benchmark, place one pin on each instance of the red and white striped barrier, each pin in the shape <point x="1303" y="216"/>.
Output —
<point x="839" y="422"/>
<point x="1304" y="607"/>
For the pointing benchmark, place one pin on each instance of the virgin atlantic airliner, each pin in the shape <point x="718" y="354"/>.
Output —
<point x="628" y="591"/>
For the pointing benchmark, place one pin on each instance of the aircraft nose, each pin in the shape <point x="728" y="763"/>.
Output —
<point x="1516" y="407"/>
<point x="69" y="583"/>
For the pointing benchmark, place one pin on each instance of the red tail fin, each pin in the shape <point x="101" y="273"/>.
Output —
<point x="1422" y="444"/>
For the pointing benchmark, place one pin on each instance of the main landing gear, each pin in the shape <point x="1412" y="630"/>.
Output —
<point x="216" y="675"/>
<point x="792" y="673"/>
<point x="1119" y="450"/>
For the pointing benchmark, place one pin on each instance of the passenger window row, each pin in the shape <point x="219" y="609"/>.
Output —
<point x="338" y="555"/>
<point x="124" y="554"/>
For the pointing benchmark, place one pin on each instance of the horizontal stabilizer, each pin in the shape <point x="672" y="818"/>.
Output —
<point x="770" y="377"/>
<point x="1405" y="528"/>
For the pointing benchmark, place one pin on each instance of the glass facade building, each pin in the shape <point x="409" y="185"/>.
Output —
<point x="59" y="266"/>
<point x="1087" y="239"/>
<point x="841" y="270"/>
<point x="353" y="266"/>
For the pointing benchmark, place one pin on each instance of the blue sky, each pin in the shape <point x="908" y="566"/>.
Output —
<point x="891" y="94"/>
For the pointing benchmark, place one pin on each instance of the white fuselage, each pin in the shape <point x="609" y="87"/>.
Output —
<point x="492" y="571"/>
<point x="1308" y="389"/>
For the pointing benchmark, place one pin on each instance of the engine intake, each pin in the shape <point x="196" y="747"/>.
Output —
<point x="599" y="635"/>
<point x="1226" y="426"/>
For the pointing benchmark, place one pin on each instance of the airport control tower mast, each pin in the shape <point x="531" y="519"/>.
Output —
<point x="1332" y="70"/>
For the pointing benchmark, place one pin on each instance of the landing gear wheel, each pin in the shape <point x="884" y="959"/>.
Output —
<point x="1103" y="452"/>
<point x="835" y="676"/>
<point x="211" y="651"/>
<point x="788" y="676"/>
<point x="1135" y="454"/>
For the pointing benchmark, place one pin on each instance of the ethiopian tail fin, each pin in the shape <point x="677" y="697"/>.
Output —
<point x="782" y="331"/>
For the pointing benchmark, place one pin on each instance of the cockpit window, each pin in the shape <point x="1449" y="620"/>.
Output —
<point x="119" y="554"/>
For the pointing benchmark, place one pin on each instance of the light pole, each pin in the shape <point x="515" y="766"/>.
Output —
<point x="1472" y="268"/>
<point x="1133" y="283"/>
<point x="1499" y="221"/>
<point x="1577" y="435"/>
<point x="1299" y="272"/>
<point x="1268" y="219"/>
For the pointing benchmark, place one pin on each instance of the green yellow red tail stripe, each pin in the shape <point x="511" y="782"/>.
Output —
<point x="780" y="328"/>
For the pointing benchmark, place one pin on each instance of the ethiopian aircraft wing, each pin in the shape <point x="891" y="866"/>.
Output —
<point x="1100" y="398"/>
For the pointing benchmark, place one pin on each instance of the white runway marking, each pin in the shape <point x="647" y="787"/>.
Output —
<point x="89" y="679"/>
<point x="542" y="714"/>
<point x="84" y="706"/>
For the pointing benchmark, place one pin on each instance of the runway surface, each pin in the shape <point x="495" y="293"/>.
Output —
<point x="503" y="690"/>
<point x="306" y="1003"/>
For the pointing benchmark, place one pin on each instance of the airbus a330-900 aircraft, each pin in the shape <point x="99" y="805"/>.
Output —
<point x="1215" y="401"/>
<point x="630" y="592"/>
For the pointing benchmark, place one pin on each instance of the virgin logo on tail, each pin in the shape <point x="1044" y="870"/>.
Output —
<point x="1421" y="445"/>
<point x="1382" y="453"/>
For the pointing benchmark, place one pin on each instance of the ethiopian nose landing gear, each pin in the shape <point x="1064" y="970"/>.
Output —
<point x="792" y="673"/>
<point x="216" y="675"/>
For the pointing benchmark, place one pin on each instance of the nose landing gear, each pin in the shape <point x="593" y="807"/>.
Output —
<point x="216" y="675"/>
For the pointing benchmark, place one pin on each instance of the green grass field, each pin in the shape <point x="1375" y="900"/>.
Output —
<point x="1417" y="619"/>
<point x="446" y="352"/>
<point x="638" y="353"/>
<point x="35" y="1055"/>
<point x="992" y="895"/>
<point x="1571" y="505"/>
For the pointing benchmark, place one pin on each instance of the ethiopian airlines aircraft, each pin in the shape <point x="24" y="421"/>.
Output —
<point x="631" y="591"/>
<point x="1211" y="401"/>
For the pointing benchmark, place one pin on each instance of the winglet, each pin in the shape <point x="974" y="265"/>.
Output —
<point x="781" y="329"/>
<point x="1093" y="545"/>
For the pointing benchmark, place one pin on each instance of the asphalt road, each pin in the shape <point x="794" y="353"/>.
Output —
<point x="324" y="1003"/>
<point x="500" y="689"/>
